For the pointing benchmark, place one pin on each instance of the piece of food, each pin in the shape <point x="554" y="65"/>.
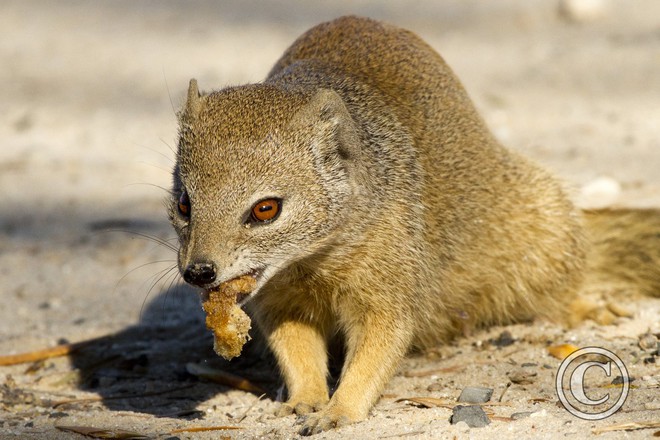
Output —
<point x="229" y="323"/>
<point x="562" y="351"/>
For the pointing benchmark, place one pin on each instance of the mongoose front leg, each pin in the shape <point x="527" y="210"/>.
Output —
<point x="374" y="349"/>
<point x="300" y="349"/>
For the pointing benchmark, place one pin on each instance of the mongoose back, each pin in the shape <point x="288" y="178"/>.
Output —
<point x="360" y="188"/>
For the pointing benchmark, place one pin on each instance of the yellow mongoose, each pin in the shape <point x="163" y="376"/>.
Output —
<point x="360" y="188"/>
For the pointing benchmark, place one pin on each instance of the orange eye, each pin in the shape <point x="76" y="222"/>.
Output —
<point x="266" y="210"/>
<point x="184" y="204"/>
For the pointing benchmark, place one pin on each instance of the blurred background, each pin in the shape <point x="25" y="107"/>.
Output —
<point x="89" y="93"/>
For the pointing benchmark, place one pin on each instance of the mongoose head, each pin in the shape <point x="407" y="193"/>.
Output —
<point x="263" y="178"/>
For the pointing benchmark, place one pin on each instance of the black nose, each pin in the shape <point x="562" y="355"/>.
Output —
<point x="200" y="274"/>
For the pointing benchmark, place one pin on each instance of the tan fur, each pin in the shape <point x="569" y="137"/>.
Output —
<point x="403" y="220"/>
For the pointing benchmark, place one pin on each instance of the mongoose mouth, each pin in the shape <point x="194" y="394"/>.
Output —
<point x="242" y="294"/>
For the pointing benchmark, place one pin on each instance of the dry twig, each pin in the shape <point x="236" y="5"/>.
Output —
<point x="632" y="426"/>
<point x="204" y="428"/>
<point x="224" y="378"/>
<point x="47" y="353"/>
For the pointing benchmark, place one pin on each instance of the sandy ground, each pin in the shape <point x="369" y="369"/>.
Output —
<point x="87" y="124"/>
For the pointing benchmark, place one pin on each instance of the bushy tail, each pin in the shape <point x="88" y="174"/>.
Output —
<point x="624" y="249"/>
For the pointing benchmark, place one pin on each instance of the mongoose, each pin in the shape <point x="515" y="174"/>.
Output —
<point x="360" y="188"/>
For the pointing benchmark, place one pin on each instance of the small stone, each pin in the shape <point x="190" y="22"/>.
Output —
<point x="58" y="415"/>
<point x="582" y="11"/>
<point x="522" y="376"/>
<point x="435" y="386"/>
<point x="473" y="415"/>
<point x="475" y="395"/>
<point x="648" y="342"/>
<point x="619" y="380"/>
<point x="462" y="427"/>
<point x="521" y="415"/>
<point x="600" y="192"/>
<point x="539" y="414"/>
<point x="651" y="381"/>
<point x="503" y="340"/>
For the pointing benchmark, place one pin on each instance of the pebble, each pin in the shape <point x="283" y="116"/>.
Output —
<point x="462" y="427"/>
<point x="475" y="395"/>
<point x="619" y="380"/>
<point x="648" y="342"/>
<point x="522" y="376"/>
<point x="600" y="192"/>
<point x="57" y="415"/>
<point x="521" y="415"/>
<point x="503" y="340"/>
<point x="582" y="11"/>
<point x="473" y="415"/>
<point x="539" y="414"/>
<point x="436" y="386"/>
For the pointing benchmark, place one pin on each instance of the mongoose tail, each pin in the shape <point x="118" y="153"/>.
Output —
<point x="624" y="247"/>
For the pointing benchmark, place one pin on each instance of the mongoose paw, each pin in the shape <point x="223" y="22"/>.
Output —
<point x="299" y="408"/>
<point x="323" y="421"/>
<point x="598" y="310"/>
<point x="284" y="410"/>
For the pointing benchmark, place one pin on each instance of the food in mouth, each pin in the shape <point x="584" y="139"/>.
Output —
<point x="229" y="323"/>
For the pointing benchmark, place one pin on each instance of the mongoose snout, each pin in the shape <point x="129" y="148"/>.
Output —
<point x="200" y="274"/>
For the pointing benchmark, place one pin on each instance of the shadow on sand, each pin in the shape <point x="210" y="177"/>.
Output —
<point x="144" y="367"/>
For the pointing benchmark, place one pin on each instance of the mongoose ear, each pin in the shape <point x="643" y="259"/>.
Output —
<point x="328" y="108"/>
<point x="193" y="103"/>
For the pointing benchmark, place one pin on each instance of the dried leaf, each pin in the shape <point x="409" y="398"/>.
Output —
<point x="562" y="351"/>
<point x="93" y="432"/>
<point x="428" y="402"/>
<point x="204" y="428"/>
<point x="632" y="426"/>
<point x="433" y="402"/>
<point x="500" y="419"/>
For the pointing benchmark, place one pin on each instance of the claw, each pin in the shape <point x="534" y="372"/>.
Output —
<point x="315" y="424"/>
